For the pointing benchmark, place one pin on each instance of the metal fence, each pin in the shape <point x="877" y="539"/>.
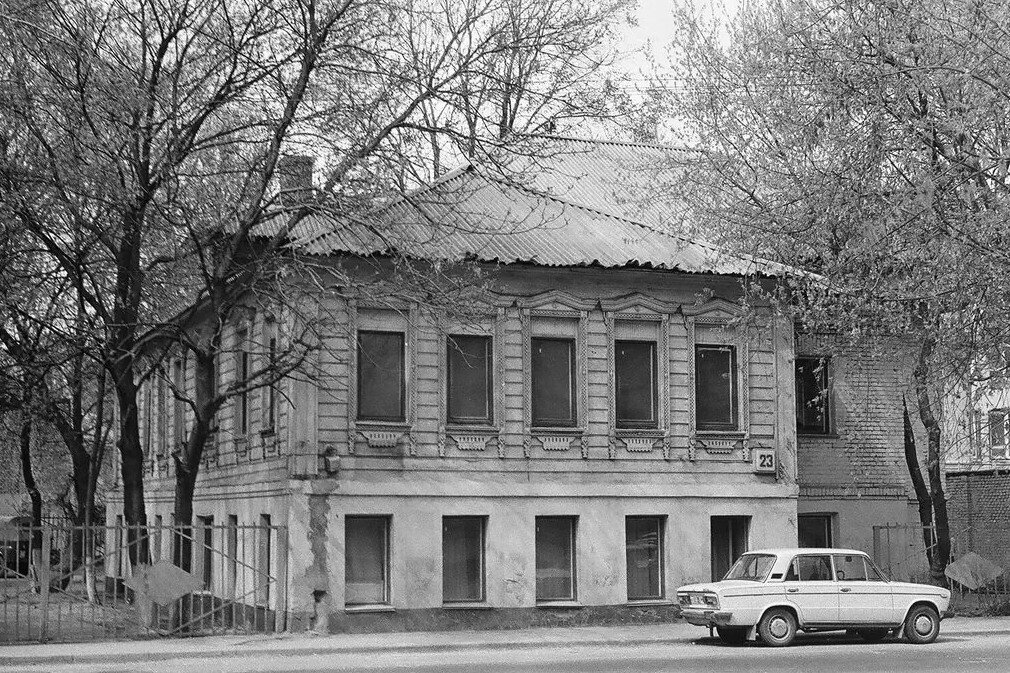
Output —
<point x="900" y="551"/>
<point x="70" y="583"/>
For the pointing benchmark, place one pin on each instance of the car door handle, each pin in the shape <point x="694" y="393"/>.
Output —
<point x="792" y="591"/>
<point x="846" y="590"/>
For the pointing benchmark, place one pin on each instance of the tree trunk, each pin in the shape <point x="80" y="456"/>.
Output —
<point x="35" y="532"/>
<point x="919" y="485"/>
<point x="132" y="472"/>
<point x="941" y="555"/>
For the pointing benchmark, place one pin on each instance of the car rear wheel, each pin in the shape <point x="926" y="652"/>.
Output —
<point x="777" y="627"/>
<point x="732" y="635"/>
<point x="922" y="625"/>
<point x="872" y="635"/>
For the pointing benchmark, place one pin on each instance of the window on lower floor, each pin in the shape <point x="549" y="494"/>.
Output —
<point x="812" y="396"/>
<point x="205" y="550"/>
<point x="469" y="379"/>
<point x="715" y="388"/>
<point x="555" y="558"/>
<point x="462" y="558"/>
<point x="366" y="560"/>
<point x="644" y="548"/>
<point x="553" y="381"/>
<point x="814" y="530"/>
<point x="635" y="378"/>
<point x="729" y="542"/>
<point x="381" y="384"/>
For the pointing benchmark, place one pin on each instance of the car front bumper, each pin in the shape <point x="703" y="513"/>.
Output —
<point x="706" y="617"/>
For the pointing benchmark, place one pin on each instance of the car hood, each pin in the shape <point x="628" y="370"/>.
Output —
<point x="715" y="587"/>
<point x="928" y="589"/>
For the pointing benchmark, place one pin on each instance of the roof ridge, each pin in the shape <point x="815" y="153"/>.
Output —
<point x="621" y="143"/>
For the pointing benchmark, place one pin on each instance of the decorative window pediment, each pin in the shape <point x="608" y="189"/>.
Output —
<point x="556" y="300"/>
<point x="636" y="303"/>
<point x="715" y="308"/>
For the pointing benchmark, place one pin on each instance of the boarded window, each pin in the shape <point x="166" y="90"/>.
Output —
<point x="812" y="396"/>
<point x="553" y="379"/>
<point x="366" y="560"/>
<point x="469" y="379"/>
<point x="381" y="389"/>
<point x="715" y="388"/>
<point x="462" y="558"/>
<point x="635" y="369"/>
<point x="555" y="552"/>
<point x="644" y="546"/>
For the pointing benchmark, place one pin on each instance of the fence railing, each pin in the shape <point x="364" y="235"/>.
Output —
<point x="900" y="551"/>
<point x="65" y="582"/>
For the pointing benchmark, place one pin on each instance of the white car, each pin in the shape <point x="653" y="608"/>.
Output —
<point x="773" y="593"/>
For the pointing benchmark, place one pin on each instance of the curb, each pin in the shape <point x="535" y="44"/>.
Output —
<point x="143" y="657"/>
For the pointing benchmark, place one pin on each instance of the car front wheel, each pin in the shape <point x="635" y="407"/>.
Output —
<point x="777" y="627"/>
<point x="922" y="625"/>
<point x="732" y="635"/>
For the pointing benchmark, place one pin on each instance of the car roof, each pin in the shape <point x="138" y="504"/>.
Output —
<point x="789" y="551"/>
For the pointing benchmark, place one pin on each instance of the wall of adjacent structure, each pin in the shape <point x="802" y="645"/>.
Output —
<point x="857" y="472"/>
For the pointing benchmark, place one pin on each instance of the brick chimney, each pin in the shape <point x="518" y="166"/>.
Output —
<point x="295" y="174"/>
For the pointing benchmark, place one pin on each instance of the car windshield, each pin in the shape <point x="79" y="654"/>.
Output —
<point x="754" y="567"/>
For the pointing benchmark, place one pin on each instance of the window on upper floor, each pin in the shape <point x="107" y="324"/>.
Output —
<point x="270" y="398"/>
<point x="178" y="404"/>
<point x="241" y="378"/>
<point x="381" y="383"/>
<point x="553" y="381"/>
<point x="715" y="388"/>
<point x="998" y="431"/>
<point x="469" y="382"/>
<point x="812" y="396"/>
<point x="635" y="378"/>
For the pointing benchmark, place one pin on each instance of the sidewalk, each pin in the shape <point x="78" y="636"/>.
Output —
<point x="439" y="641"/>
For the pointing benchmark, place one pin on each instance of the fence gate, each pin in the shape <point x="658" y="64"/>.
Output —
<point x="60" y="582"/>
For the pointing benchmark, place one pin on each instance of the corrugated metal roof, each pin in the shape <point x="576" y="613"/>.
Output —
<point x="583" y="205"/>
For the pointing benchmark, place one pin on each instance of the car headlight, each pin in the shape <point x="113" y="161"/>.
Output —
<point x="711" y="599"/>
<point x="684" y="599"/>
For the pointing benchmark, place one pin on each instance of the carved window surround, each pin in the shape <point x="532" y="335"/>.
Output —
<point x="367" y="316"/>
<point x="556" y="305"/>
<point x="467" y="439"/>
<point x="715" y="314"/>
<point x="640" y="310"/>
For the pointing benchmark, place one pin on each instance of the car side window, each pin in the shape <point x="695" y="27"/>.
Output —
<point x="850" y="568"/>
<point x="810" y="568"/>
<point x="872" y="574"/>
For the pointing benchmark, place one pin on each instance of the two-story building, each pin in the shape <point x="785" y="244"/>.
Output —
<point x="601" y="427"/>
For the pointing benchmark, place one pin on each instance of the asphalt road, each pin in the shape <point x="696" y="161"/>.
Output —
<point x="809" y="654"/>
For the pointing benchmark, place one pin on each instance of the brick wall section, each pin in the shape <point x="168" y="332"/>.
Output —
<point x="865" y="451"/>
<point x="979" y="508"/>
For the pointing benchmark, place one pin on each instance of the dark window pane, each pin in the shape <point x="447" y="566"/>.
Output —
<point x="715" y="387"/>
<point x="997" y="427"/>
<point x="553" y="362"/>
<point x="462" y="558"/>
<point x="729" y="542"/>
<point x="469" y="359"/>
<point x="380" y="376"/>
<point x="635" y="363"/>
<point x="366" y="559"/>
<point x="815" y="530"/>
<point x="555" y="547"/>
<point x="644" y="543"/>
<point x="812" y="396"/>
